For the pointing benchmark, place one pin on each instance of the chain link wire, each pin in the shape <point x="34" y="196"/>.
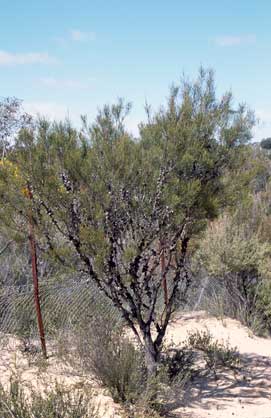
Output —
<point x="63" y="306"/>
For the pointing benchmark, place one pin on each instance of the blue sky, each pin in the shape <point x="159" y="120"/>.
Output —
<point x="70" y="57"/>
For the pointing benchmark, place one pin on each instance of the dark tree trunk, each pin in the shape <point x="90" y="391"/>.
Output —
<point x="152" y="355"/>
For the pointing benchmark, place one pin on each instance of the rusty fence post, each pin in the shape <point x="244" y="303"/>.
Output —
<point x="33" y="250"/>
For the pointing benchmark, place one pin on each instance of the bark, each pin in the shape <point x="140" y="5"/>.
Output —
<point x="152" y="355"/>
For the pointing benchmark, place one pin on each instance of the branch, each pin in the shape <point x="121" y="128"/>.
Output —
<point x="177" y="279"/>
<point x="5" y="247"/>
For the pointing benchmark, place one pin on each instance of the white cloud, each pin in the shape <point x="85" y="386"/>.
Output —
<point x="230" y="40"/>
<point x="66" y="83"/>
<point x="79" y="36"/>
<point x="9" y="58"/>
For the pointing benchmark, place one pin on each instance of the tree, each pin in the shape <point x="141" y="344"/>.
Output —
<point x="266" y="143"/>
<point x="115" y="200"/>
<point x="12" y="119"/>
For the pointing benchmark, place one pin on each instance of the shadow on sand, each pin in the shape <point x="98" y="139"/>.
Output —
<point x="249" y="385"/>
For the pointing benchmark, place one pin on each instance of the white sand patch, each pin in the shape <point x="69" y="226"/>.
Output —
<point x="243" y="395"/>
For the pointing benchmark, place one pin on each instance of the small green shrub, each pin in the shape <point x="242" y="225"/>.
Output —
<point x="56" y="403"/>
<point x="216" y="354"/>
<point x="235" y="253"/>
<point x="104" y="351"/>
<point x="179" y="363"/>
<point x="263" y="305"/>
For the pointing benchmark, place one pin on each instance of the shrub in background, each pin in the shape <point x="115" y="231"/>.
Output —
<point x="237" y="262"/>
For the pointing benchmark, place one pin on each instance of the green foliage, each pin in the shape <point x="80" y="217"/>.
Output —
<point x="263" y="308"/>
<point x="229" y="248"/>
<point x="56" y="403"/>
<point x="235" y="252"/>
<point x="217" y="354"/>
<point x="192" y="139"/>
<point x="248" y="173"/>
<point x="104" y="351"/>
<point x="266" y="143"/>
<point x="201" y="135"/>
<point x="178" y="363"/>
<point x="112" y="199"/>
<point x="115" y="359"/>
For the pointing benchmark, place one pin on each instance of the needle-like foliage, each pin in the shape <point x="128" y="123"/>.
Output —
<point x="128" y="208"/>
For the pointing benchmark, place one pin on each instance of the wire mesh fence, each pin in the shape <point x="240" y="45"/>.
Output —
<point x="63" y="306"/>
<point x="66" y="300"/>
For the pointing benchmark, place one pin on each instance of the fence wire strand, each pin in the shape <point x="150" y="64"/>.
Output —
<point x="63" y="306"/>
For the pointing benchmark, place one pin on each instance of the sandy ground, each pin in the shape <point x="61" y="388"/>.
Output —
<point x="34" y="372"/>
<point x="246" y="395"/>
<point x="243" y="395"/>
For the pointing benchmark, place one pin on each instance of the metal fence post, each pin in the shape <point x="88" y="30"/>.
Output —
<point x="33" y="250"/>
